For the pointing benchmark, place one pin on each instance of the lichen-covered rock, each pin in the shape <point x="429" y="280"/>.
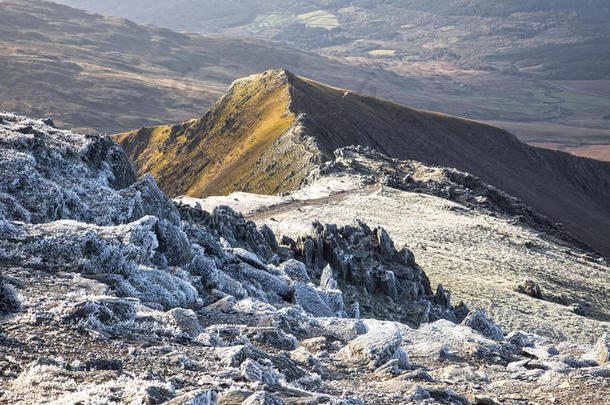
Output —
<point x="478" y="321"/>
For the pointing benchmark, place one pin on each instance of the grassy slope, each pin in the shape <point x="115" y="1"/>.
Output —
<point x="208" y="156"/>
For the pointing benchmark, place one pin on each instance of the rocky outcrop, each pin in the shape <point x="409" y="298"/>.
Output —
<point x="367" y="267"/>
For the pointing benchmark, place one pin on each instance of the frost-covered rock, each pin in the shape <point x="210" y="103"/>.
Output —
<point x="9" y="301"/>
<point x="295" y="270"/>
<point x="185" y="320"/>
<point x="311" y="300"/>
<point x="479" y="321"/>
<point x="376" y="348"/>
<point x="262" y="398"/>
<point x="601" y="351"/>
<point x="255" y="372"/>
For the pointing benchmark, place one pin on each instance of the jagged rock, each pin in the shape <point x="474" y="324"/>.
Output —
<point x="156" y="395"/>
<point x="262" y="398"/>
<point x="249" y="257"/>
<point x="342" y="328"/>
<point x="479" y="321"/>
<point x="530" y="288"/>
<point x="601" y="351"/>
<point x="295" y="270"/>
<point x="418" y="394"/>
<point x="386" y="246"/>
<point x="354" y="311"/>
<point x="417" y="375"/>
<point x="442" y="297"/>
<point x="198" y="397"/>
<point x="269" y="237"/>
<point x="310" y="300"/>
<point x="186" y="320"/>
<point x="335" y="302"/>
<point x="173" y="244"/>
<point x="255" y="372"/>
<point x="9" y="302"/>
<point x="376" y="348"/>
<point x="275" y="338"/>
<point x="446" y="396"/>
<point x="354" y="256"/>
<point x="148" y="199"/>
<point x="327" y="280"/>
<point x="105" y="310"/>
<point x="234" y="356"/>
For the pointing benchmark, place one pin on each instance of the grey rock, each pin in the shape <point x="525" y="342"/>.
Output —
<point x="478" y="321"/>
<point x="156" y="395"/>
<point x="9" y="302"/>
<point x="262" y="398"/>
<point x="376" y="348"/>
<point x="234" y="356"/>
<point x="295" y="270"/>
<point x="417" y="375"/>
<point x="327" y="280"/>
<point x="530" y="288"/>
<point x="186" y="320"/>
<point x="418" y="394"/>
<point x="197" y="397"/>
<point x="354" y="311"/>
<point x="310" y="300"/>
<point x="255" y="372"/>
<point x="601" y="351"/>
<point x="148" y="199"/>
<point x="386" y="246"/>
<point x="448" y="396"/>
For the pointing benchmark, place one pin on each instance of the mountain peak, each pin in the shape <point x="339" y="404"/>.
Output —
<point x="269" y="130"/>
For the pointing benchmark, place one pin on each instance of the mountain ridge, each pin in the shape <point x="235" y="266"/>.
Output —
<point x="567" y="189"/>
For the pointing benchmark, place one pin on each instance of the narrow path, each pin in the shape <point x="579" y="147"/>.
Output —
<point x="266" y="213"/>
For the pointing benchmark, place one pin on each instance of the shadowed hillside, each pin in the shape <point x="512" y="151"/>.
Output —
<point x="269" y="150"/>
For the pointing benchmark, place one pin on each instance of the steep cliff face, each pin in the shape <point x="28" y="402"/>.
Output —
<point x="269" y="129"/>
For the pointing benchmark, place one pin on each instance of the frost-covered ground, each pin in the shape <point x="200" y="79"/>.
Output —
<point x="111" y="293"/>
<point x="480" y="254"/>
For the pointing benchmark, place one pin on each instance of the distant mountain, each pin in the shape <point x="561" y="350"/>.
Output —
<point x="97" y="73"/>
<point x="540" y="68"/>
<point x="271" y="129"/>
